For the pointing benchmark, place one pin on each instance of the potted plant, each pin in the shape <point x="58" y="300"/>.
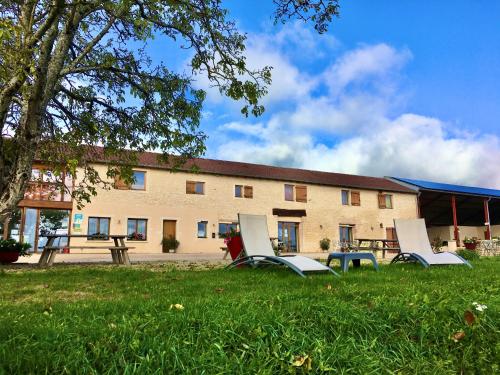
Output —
<point x="169" y="243"/>
<point x="232" y="239"/>
<point x="135" y="236"/>
<point x="470" y="243"/>
<point x="324" y="244"/>
<point x="11" y="250"/>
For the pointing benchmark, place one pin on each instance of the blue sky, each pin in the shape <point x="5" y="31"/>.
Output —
<point x="405" y="88"/>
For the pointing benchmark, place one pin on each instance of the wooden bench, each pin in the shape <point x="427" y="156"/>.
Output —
<point x="119" y="252"/>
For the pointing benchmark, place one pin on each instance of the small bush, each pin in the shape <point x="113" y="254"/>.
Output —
<point x="324" y="244"/>
<point x="11" y="245"/>
<point x="468" y="254"/>
<point x="169" y="243"/>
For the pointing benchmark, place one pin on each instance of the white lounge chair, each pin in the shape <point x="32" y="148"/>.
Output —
<point x="415" y="246"/>
<point x="258" y="250"/>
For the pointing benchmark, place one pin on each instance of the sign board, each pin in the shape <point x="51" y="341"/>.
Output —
<point x="77" y="222"/>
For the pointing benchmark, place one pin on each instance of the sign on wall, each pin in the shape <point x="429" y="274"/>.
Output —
<point x="77" y="222"/>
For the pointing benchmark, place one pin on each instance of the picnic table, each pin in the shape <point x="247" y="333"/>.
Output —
<point x="377" y="244"/>
<point x="119" y="252"/>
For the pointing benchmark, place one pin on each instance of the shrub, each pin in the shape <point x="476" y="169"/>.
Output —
<point x="437" y="244"/>
<point x="324" y="244"/>
<point x="468" y="254"/>
<point x="12" y="245"/>
<point x="169" y="243"/>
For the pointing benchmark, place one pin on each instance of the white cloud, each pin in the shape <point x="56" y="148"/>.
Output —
<point x="347" y="118"/>
<point x="366" y="62"/>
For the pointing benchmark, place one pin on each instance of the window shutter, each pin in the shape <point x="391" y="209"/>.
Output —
<point x="120" y="184"/>
<point x="190" y="187"/>
<point x="248" y="192"/>
<point x="355" y="198"/>
<point x="301" y="193"/>
<point x="381" y="201"/>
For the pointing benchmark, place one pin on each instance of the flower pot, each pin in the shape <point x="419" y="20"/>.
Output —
<point x="235" y="246"/>
<point x="470" y="246"/>
<point x="8" y="257"/>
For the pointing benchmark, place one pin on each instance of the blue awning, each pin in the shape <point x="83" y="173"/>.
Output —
<point x="447" y="188"/>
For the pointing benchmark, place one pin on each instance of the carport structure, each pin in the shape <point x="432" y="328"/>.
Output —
<point x="445" y="205"/>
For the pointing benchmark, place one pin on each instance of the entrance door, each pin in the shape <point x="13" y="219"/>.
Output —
<point x="39" y="222"/>
<point x="30" y="227"/>
<point x="390" y="234"/>
<point x="169" y="228"/>
<point x="288" y="234"/>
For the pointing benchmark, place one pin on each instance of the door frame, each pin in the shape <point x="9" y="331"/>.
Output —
<point x="289" y="225"/>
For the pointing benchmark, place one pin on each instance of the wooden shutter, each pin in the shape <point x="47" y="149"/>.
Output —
<point x="190" y="187"/>
<point x="355" y="198"/>
<point x="248" y="192"/>
<point x="381" y="201"/>
<point x="301" y="193"/>
<point x="120" y="184"/>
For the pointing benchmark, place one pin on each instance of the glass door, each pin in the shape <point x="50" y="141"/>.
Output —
<point x="52" y="222"/>
<point x="288" y="236"/>
<point x="29" y="228"/>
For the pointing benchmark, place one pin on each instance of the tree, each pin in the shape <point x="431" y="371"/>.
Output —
<point x="76" y="73"/>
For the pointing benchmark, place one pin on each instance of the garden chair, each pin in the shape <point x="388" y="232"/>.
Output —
<point x="258" y="250"/>
<point x="415" y="245"/>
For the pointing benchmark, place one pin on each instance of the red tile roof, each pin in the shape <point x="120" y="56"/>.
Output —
<point x="238" y="169"/>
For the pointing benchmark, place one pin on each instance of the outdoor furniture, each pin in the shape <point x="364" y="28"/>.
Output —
<point x="345" y="258"/>
<point x="119" y="252"/>
<point x="415" y="245"/>
<point x="258" y="250"/>
<point x="224" y="248"/>
<point x="377" y="245"/>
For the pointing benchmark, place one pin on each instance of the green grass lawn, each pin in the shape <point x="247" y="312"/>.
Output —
<point x="105" y="319"/>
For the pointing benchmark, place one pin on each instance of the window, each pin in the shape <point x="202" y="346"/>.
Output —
<point x="301" y="194"/>
<point x="385" y="200"/>
<point x="345" y="197"/>
<point x="355" y="198"/>
<point x="137" y="229"/>
<point x="288" y="192"/>
<point x="295" y="193"/>
<point x="238" y="191"/>
<point x="202" y="229"/>
<point x="241" y="191"/>
<point x="226" y="228"/>
<point x="195" y="187"/>
<point x="345" y="234"/>
<point x="138" y="184"/>
<point x="98" y="227"/>
<point x="139" y="181"/>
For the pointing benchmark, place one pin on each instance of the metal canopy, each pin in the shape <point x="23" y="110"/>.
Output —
<point x="435" y="202"/>
<point x="448" y="188"/>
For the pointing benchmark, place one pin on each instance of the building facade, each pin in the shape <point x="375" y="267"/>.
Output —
<point x="302" y="207"/>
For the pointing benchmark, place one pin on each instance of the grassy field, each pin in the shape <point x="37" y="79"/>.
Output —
<point x="157" y="319"/>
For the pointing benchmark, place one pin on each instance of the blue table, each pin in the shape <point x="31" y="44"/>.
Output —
<point x="345" y="258"/>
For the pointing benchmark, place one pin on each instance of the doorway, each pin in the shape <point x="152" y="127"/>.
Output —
<point x="37" y="222"/>
<point x="169" y="232"/>
<point x="288" y="236"/>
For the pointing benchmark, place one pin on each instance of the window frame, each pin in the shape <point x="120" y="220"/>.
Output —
<point x="226" y="224"/>
<point x="136" y="226"/>
<point x="205" y="222"/>
<point x="347" y="196"/>
<point x="292" y="189"/>
<point x="195" y="183"/>
<point x="134" y="171"/>
<point x="385" y="197"/>
<point x="102" y="237"/>
<point x="241" y="187"/>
